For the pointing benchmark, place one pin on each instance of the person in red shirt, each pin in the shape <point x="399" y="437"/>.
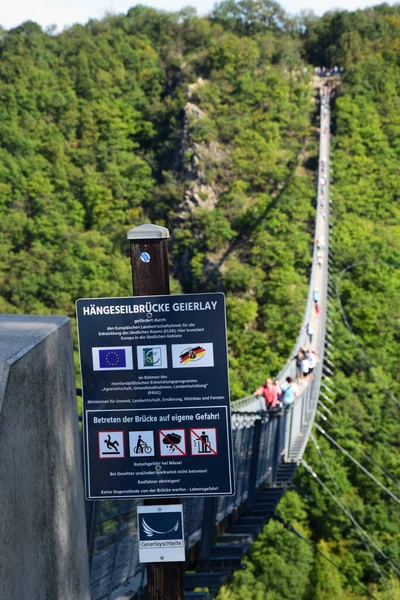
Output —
<point x="270" y="393"/>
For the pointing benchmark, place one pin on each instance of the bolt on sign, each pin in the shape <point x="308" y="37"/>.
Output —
<point x="155" y="396"/>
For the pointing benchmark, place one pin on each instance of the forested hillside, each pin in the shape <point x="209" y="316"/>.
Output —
<point x="166" y="118"/>
<point x="337" y="559"/>
<point x="209" y="127"/>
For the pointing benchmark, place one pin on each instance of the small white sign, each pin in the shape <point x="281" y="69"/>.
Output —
<point x="141" y="443"/>
<point x="111" y="444"/>
<point x="161" y="537"/>
<point x="186" y="356"/>
<point x="152" y="357"/>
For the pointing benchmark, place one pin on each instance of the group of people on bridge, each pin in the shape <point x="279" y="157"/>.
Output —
<point x="325" y="72"/>
<point x="276" y="395"/>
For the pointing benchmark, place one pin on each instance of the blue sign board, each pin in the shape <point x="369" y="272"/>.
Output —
<point x="155" y="396"/>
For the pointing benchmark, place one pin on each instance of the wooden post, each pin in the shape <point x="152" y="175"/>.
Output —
<point x="149" y="260"/>
<point x="150" y="277"/>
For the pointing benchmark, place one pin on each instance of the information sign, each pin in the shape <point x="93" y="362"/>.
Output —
<point x="160" y="533"/>
<point x="155" y="396"/>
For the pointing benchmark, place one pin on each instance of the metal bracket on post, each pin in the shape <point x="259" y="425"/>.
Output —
<point x="251" y="495"/>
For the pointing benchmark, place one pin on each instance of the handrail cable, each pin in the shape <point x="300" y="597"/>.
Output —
<point x="355" y="461"/>
<point x="362" y="534"/>
<point x="325" y="407"/>
<point x="378" y="436"/>
<point x="347" y="324"/>
<point x="291" y="529"/>
<point x="348" y="514"/>
<point x="365" y="454"/>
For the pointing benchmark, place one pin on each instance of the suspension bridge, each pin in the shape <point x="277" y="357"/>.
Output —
<point x="268" y="446"/>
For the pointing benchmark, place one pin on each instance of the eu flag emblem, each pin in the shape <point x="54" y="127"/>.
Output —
<point x="112" y="359"/>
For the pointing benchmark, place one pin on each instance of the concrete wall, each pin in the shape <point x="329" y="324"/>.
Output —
<point x="43" y="553"/>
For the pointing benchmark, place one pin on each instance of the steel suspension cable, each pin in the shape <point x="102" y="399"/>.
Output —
<point x="346" y="512"/>
<point x="368" y="436"/>
<point x="355" y="461"/>
<point x="347" y="324"/>
<point x="291" y="529"/>
<point x="364" y="454"/>
<point x="362" y="534"/>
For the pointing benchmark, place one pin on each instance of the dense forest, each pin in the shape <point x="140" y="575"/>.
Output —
<point x="209" y="126"/>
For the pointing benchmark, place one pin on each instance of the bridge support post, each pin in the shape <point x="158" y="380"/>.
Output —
<point x="251" y="495"/>
<point x="277" y="447"/>
<point x="208" y="528"/>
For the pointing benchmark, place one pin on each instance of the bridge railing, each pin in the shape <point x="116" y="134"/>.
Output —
<point x="301" y="414"/>
<point x="261" y="440"/>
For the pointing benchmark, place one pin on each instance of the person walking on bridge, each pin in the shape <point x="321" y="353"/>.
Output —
<point x="270" y="393"/>
<point x="298" y="358"/>
<point x="278" y="391"/>
<point x="310" y="331"/>
<point x="312" y="359"/>
<point x="320" y="257"/>
<point x="305" y="367"/>
<point x="289" y="389"/>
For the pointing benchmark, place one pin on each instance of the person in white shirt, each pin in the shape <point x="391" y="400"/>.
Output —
<point x="305" y="367"/>
<point x="312" y="360"/>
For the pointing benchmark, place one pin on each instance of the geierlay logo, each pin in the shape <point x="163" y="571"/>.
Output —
<point x="149" y="531"/>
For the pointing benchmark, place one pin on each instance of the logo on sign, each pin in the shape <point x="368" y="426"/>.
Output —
<point x="152" y="357"/>
<point x="160" y="532"/>
<point x="195" y="355"/>
<point x="192" y="354"/>
<point x="118" y="358"/>
<point x="149" y="531"/>
<point x="145" y="257"/>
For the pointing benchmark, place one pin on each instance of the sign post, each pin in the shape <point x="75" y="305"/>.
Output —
<point x="150" y="277"/>
<point x="156" y="402"/>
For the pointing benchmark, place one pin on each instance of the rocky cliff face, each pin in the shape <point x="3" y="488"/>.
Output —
<point x="202" y="158"/>
<point x="198" y="157"/>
